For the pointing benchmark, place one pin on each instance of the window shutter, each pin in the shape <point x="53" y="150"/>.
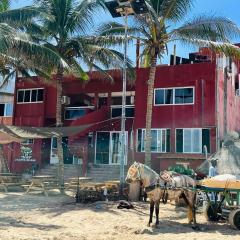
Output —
<point x="179" y="140"/>
<point x="139" y="137"/>
<point x="168" y="141"/>
<point x="206" y="139"/>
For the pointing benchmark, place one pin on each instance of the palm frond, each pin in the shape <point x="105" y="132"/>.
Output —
<point x="6" y="79"/>
<point x="20" y="16"/>
<point x="77" y="70"/>
<point x="209" y="28"/>
<point x="227" y="49"/>
<point x="81" y="19"/>
<point x="4" y="5"/>
<point x="173" y="10"/>
<point x="114" y="28"/>
<point x="37" y="54"/>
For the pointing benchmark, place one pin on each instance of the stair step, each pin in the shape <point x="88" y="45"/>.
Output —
<point x="98" y="173"/>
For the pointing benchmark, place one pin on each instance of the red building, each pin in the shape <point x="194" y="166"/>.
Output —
<point x="195" y="103"/>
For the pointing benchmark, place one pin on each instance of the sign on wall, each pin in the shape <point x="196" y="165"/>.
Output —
<point x="26" y="154"/>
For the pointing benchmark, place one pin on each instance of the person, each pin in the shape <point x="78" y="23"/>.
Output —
<point x="212" y="169"/>
<point x="212" y="173"/>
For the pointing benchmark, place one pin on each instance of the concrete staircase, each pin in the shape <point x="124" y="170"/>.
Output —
<point x="99" y="173"/>
<point x="102" y="173"/>
<point x="52" y="169"/>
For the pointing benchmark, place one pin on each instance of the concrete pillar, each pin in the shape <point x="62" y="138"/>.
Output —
<point x="96" y="98"/>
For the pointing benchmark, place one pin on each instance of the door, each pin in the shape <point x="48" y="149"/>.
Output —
<point x="102" y="147"/>
<point x="67" y="156"/>
<point x="108" y="148"/>
<point x="53" y="152"/>
<point x="115" y="148"/>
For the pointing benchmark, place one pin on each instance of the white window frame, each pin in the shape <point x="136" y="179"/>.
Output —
<point x="157" y="129"/>
<point x="174" y="88"/>
<point x="200" y="139"/>
<point x="5" y="109"/>
<point x="29" y="89"/>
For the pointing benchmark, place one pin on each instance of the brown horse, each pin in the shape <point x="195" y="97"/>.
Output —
<point x="166" y="186"/>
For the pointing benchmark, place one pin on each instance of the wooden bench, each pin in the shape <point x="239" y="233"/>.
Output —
<point x="43" y="183"/>
<point x="8" y="179"/>
<point x="74" y="182"/>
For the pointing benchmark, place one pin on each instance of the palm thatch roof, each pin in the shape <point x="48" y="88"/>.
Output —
<point x="18" y="134"/>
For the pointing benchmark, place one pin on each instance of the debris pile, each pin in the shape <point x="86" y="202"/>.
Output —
<point x="228" y="157"/>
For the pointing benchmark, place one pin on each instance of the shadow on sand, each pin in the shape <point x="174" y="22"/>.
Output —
<point x="8" y="221"/>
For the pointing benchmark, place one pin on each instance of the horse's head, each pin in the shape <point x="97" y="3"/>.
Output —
<point x="133" y="173"/>
<point x="141" y="172"/>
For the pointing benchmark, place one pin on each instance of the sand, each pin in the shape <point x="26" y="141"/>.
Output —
<point x="35" y="217"/>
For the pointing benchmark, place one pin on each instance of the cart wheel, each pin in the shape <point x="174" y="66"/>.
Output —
<point x="234" y="219"/>
<point x="212" y="213"/>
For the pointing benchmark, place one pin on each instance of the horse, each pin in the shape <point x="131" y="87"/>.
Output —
<point x="166" y="186"/>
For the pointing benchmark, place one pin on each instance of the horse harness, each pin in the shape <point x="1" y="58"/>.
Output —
<point x="157" y="185"/>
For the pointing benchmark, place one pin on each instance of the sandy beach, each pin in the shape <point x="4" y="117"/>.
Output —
<point x="35" y="217"/>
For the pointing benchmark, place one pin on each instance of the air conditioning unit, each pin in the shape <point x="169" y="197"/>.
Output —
<point x="65" y="100"/>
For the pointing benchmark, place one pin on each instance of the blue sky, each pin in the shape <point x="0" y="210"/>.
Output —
<point x="226" y="8"/>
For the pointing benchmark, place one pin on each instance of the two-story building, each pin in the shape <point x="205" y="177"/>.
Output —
<point x="195" y="103"/>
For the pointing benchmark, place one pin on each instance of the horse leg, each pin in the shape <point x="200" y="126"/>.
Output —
<point x="190" y="210"/>
<point x="157" y="212"/>
<point x="195" y="225"/>
<point x="144" y="196"/>
<point x="151" y="212"/>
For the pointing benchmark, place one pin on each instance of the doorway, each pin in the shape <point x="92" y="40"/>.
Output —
<point x="108" y="147"/>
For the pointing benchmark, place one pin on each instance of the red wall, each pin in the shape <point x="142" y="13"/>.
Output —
<point x="233" y="103"/>
<point x="200" y="115"/>
<point x="43" y="114"/>
<point x="201" y="76"/>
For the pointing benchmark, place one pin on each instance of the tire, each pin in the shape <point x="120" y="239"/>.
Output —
<point x="212" y="214"/>
<point x="234" y="219"/>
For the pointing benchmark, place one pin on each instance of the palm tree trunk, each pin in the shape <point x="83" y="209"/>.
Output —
<point x="59" y="123"/>
<point x="225" y="90"/>
<point x="3" y="163"/>
<point x="150" y="83"/>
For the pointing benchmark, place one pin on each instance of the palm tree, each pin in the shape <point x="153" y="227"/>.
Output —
<point x="157" y="29"/>
<point x="19" y="52"/>
<point x="69" y="34"/>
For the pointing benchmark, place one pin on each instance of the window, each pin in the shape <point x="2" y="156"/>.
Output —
<point x="6" y="109"/>
<point x="117" y="111"/>
<point x="192" y="140"/>
<point x="163" y="96"/>
<point x="118" y="100"/>
<point x="27" y="141"/>
<point x="174" y="96"/>
<point x="160" y="141"/>
<point x="183" y="95"/>
<point x="30" y="95"/>
<point x="74" y="113"/>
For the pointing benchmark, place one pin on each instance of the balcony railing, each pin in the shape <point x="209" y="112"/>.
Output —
<point x="116" y="111"/>
<point x="72" y="113"/>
